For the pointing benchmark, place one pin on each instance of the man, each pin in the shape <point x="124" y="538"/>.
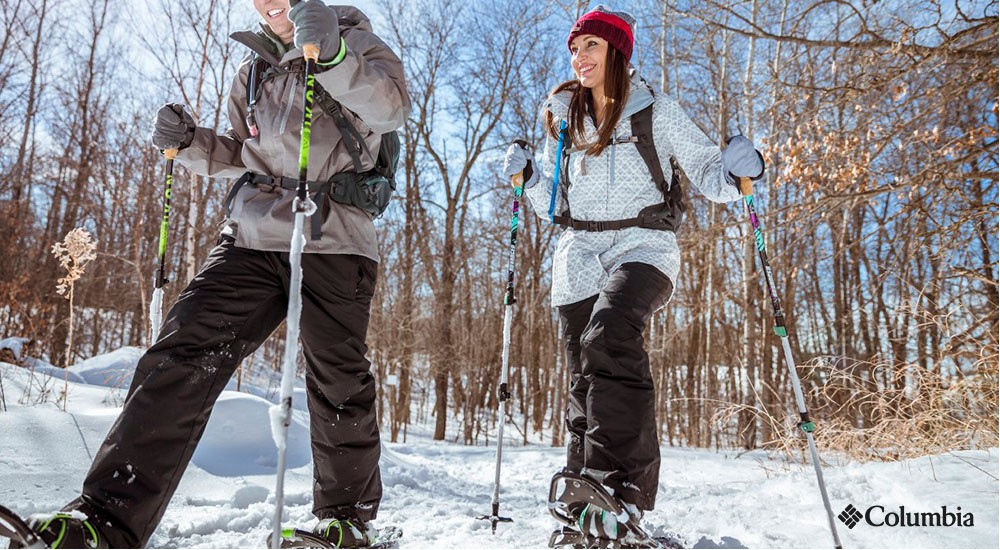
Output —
<point x="241" y="294"/>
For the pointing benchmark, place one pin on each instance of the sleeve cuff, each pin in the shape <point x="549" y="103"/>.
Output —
<point x="337" y="59"/>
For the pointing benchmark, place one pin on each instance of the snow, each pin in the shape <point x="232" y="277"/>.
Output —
<point x="15" y="345"/>
<point x="434" y="490"/>
<point x="113" y="370"/>
<point x="238" y="440"/>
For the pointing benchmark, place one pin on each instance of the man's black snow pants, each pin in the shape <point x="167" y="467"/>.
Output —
<point x="227" y="311"/>
<point x="611" y="417"/>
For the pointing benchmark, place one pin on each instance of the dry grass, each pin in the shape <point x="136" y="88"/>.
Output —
<point x="877" y="412"/>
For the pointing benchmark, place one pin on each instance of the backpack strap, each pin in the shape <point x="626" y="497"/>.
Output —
<point x="558" y="176"/>
<point x="352" y="138"/>
<point x="258" y="66"/>
<point x="642" y="131"/>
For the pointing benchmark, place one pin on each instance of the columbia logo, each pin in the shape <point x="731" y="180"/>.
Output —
<point x="850" y="516"/>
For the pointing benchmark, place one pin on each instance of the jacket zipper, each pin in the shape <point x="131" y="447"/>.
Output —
<point x="288" y="103"/>
<point x="611" y="174"/>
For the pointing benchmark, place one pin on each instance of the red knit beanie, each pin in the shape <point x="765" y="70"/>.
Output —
<point x="614" y="26"/>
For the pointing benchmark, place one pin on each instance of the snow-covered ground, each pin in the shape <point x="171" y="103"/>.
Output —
<point x="434" y="490"/>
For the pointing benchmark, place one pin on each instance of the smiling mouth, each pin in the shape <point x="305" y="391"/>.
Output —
<point x="275" y="12"/>
<point x="584" y="71"/>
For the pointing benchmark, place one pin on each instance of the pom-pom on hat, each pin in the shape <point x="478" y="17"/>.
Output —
<point x="617" y="27"/>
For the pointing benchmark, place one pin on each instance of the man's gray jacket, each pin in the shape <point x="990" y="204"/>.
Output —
<point x="370" y="86"/>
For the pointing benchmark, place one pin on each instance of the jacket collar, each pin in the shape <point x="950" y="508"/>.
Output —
<point x="264" y="43"/>
<point x="640" y="96"/>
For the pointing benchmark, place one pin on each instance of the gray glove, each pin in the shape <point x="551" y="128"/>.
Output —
<point x="316" y="23"/>
<point x="173" y="128"/>
<point x="517" y="160"/>
<point x="741" y="160"/>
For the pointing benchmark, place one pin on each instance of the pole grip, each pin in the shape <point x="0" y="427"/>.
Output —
<point x="170" y="154"/>
<point x="746" y="186"/>
<point x="311" y="52"/>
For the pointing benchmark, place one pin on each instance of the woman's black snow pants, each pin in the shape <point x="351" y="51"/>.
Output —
<point x="611" y="417"/>
<point x="227" y="311"/>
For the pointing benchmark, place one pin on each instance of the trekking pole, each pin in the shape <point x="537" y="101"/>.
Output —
<point x="303" y="207"/>
<point x="160" y="279"/>
<point x="508" y="316"/>
<point x="807" y="425"/>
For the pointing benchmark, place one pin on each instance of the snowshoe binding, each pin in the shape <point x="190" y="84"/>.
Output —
<point x="338" y="533"/>
<point x="593" y="518"/>
<point x="59" y="530"/>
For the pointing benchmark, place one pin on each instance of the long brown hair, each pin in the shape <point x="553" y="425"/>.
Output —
<point x="616" y="87"/>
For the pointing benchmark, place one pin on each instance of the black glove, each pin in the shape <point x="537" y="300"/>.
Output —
<point x="316" y="23"/>
<point x="741" y="160"/>
<point x="173" y="128"/>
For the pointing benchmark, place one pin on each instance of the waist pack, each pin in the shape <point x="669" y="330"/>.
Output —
<point x="370" y="192"/>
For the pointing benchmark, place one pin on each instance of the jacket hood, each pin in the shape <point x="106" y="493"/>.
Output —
<point x="353" y="18"/>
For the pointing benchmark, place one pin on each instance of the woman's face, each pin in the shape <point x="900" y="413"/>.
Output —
<point x="275" y="14"/>
<point x="590" y="56"/>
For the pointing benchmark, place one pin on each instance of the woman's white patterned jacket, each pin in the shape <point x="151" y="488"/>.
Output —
<point x="617" y="185"/>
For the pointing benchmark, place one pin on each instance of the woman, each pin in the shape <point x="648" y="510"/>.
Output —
<point x="240" y="296"/>
<point x="617" y="261"/>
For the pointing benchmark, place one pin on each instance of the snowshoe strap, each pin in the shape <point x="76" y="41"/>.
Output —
<point x="570" y="493"/>
<point x="583" y="504"/>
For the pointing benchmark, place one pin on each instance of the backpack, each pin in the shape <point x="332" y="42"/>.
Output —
<point x="665" y="216"/>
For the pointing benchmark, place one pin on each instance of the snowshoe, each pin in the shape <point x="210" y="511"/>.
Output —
<point x="567" y="537"/>
<point x="59" y="530"/>
<point x="593" y="518"/>
<point x="334" y="533"/>
<point x="14" y="528"/>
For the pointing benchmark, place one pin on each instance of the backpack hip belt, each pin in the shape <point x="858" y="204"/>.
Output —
<point x="646" y="220"/>
<point x="368" y="191"/>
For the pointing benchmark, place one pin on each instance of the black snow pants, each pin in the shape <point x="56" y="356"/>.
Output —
<point x="611" y="417"/>
<point x="227" y="311"/>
